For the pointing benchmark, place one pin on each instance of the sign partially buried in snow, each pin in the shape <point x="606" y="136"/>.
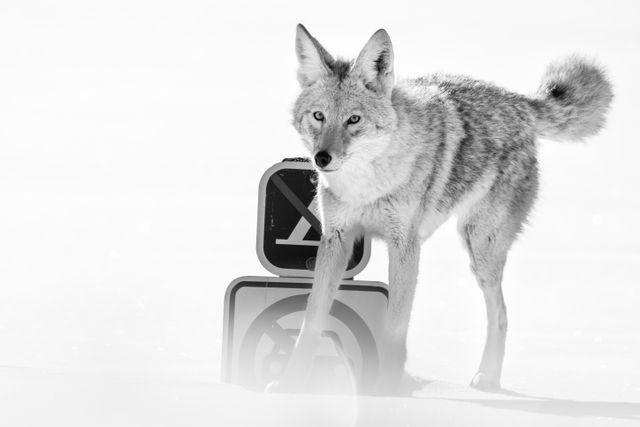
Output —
<point x="288" y="223"/>
<point x="263" y="316"/>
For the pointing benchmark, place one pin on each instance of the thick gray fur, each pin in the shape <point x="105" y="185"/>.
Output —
<point x="423" y="150"/>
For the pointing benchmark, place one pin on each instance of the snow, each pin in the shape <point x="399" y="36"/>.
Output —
<point x="132" y="140"/>
<point x="34" y="398"/>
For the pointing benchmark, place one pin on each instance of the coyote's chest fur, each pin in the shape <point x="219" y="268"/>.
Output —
<point x="395" y="211"/>
<point x="367" y="175"/>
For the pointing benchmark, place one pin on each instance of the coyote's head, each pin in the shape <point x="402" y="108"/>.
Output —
<point x="344" y="112"/>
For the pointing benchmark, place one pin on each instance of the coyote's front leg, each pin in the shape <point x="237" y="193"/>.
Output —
<point x="333" y="256"/>
<point x="404" y="259"/>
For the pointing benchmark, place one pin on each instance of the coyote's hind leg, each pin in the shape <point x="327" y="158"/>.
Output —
<point x="488" y="230"/>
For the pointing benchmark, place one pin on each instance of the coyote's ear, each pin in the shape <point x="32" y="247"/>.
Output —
<point x="375" y="63"/>
<point x="313" y="59"/>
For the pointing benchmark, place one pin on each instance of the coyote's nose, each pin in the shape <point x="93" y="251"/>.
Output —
<point x="322" y="159"/>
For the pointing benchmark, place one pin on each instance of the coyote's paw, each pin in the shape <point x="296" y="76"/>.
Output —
<point x="484" y="382"/>
<point x="273" y="387"/>
<point x="404" y="385"/>
<point x="281" y="386"/>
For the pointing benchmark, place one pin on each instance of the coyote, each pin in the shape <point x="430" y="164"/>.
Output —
<point x="397" y="159"/>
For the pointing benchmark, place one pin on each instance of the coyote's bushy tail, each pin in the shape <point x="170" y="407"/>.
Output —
<point x="572" y="100"/>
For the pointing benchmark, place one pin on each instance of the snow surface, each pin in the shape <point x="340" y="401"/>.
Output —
<point x="133" y="135"/>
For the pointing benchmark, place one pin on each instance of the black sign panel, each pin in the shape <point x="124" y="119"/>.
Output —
<point x="288" y="225"/>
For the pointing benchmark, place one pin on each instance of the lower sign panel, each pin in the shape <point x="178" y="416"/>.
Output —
<point x="263" y="316"/>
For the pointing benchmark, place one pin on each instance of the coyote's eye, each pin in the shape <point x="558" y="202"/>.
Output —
<point x="318" y="116"/>
<point x="353" y="119"/>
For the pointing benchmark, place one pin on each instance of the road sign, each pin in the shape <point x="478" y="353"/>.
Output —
<point x="288" y="226"/>
<point x="263" y="316"/>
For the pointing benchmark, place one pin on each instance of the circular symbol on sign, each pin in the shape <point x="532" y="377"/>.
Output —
<point x="258" y="370"/>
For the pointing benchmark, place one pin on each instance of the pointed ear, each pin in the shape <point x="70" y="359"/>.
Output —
<point x="375" y="63"/>
<point x="313" y="59"/>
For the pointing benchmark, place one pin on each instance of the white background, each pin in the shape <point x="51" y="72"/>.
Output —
<point x="133" y="136"/>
